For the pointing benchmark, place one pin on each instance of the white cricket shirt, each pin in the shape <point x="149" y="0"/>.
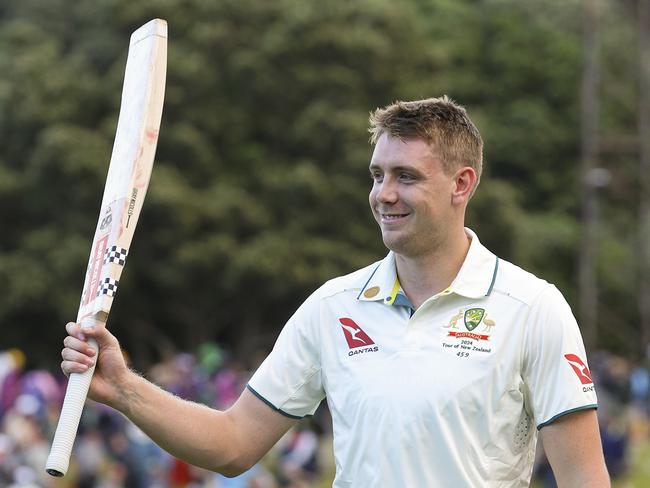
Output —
<point x="449" y="395"/>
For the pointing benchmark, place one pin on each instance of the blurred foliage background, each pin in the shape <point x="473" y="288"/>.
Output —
<point x="259" y="191"/>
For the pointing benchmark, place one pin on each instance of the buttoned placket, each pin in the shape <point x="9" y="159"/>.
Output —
<point x="416" y="325"/>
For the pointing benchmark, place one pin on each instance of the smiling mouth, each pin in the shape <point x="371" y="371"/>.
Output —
<point x="392" y="217"/>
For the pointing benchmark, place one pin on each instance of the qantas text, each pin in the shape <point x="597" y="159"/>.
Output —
<point x="361" y="350"/>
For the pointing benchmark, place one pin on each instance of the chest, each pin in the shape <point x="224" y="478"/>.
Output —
<point x="460" y="355"/>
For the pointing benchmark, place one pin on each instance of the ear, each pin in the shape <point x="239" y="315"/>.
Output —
<point x="465" y="180"/>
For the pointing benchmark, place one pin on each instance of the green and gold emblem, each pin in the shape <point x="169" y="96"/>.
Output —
<point x="473" y="318"/>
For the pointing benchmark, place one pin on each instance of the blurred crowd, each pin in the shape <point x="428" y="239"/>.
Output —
<point x="110" y="452"/>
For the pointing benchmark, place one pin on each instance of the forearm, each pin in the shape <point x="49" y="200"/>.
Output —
<point x="190" y="431"/>
<point x="227" y="442"/>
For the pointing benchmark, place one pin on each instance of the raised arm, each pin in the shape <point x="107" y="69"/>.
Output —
<point x="228" y="442"/>
<point x="574" y="450"/>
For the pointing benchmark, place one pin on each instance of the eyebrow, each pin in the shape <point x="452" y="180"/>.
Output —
<point x="396" y="168"/>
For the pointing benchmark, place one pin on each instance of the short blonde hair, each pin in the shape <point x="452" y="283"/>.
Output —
<point x="441" y="122"/>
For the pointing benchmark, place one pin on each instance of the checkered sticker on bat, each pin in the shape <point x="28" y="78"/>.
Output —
<point x="108" y="287"/>
<point x="116" y="254"/>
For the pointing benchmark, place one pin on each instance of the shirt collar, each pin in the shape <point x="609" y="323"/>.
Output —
<point x="382" y="285"/>
<point x="474" y="280"/>
<point x="479" y="270"/>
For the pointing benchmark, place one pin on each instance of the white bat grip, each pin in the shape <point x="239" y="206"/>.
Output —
<point x="66" y="430"/>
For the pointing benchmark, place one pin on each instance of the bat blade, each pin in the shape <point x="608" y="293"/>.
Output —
<point x="126" y="185"/>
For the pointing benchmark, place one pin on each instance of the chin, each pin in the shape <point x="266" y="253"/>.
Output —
<point x="407" y="246"/>
<point x="397" y="245"/>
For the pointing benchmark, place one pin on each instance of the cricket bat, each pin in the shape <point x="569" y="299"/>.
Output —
<point x="126" y="185"/>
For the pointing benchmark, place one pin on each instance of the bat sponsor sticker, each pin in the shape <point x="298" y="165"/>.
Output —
<point x="134" y="197"/>
<point x="106" y="221"/>
<point x="95" y="268"/>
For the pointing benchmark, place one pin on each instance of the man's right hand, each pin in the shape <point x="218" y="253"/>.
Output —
<point x="111" y="371"/>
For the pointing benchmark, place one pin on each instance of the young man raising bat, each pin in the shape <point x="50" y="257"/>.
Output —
<point x="440" y="363"/>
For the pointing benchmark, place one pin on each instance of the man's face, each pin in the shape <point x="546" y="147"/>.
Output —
<point x="411" y="196"/>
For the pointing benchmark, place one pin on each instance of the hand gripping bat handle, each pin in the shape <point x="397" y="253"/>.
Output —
<point x="75" y="397"/>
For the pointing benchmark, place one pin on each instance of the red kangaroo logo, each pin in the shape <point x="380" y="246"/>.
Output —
<point x="580" y="369"/>
<point x="355" y="336"/>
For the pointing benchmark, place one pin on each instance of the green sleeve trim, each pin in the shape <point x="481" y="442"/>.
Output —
<point x="593" y="406"/>
<point x="295" y="417"/>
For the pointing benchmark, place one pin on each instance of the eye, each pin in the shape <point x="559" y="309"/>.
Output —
<point x="406" y="177"/>
<point x="376" y="176"/>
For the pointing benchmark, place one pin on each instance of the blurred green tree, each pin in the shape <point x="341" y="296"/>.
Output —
<point x="259" y="192"/>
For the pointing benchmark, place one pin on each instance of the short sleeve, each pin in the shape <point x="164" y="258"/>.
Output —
<point x="555" y="371"/>
<point x="289" y="380"/>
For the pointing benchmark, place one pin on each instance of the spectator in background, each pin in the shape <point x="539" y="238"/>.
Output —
<point x="299" y="457"/>
<point x="640" y="387"/>
<point x="615" y="438"/>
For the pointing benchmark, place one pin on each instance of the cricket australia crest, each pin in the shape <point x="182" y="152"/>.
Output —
<point x="473" y="318"/>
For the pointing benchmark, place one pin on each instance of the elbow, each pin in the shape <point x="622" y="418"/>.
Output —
<point x="235" y="467"/>
<point x="232" y="472"/>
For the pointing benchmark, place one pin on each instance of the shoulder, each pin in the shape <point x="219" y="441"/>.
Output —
<point x="351" y="283"/>
<point x="544" y="301"/>
<point x="336" y="292"/>
<point x="522" y="285"/>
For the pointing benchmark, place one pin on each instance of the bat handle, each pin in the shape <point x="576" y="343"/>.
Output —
<point x="75" y="397"/>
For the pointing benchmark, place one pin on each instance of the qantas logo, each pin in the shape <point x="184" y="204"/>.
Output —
<point x="354" y="334"/>
<point x="358" y="341"/>
<point x="579" y="368"/>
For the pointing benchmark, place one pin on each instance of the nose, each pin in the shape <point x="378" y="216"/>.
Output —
<point x="386" y="191"/>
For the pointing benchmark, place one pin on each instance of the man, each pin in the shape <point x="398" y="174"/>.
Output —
<point x="438" y="363"/>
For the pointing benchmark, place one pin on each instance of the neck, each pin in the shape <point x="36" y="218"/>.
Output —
<point x="428" y="274"/>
